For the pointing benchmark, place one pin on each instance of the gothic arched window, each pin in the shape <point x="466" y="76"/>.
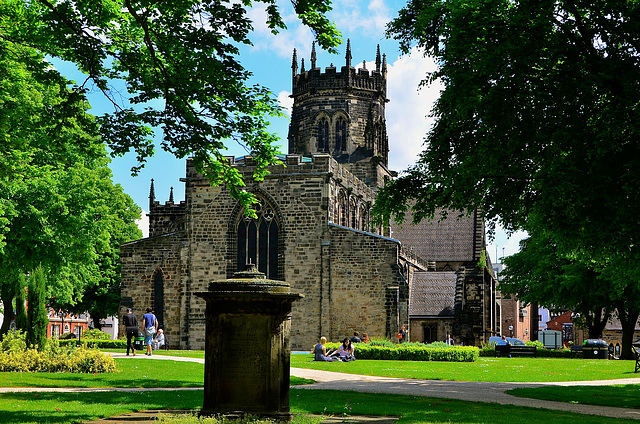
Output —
<point x="341" y="135"/>
<point x="258" y="242"/>
<point x="158" y="297"/>
<point x="323" y="135"/>
<point x="342" y="210"/>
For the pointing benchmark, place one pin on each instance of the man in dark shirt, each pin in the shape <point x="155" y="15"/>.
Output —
<point x="130" y="327"/>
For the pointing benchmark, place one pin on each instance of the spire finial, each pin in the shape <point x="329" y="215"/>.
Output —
<point x="302" y="65"/>
<point x="171" y="195"/>
<point x="364" y="65"/>
<point x="384" y="65"/>
<point x="294" y="63"/>
<point x="348" y="56"/>
<point x="313" y="55"/>
<point x="378" y="59"/>
<point x="152" y="195"/>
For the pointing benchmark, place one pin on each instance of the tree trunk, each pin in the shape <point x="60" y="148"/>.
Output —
<point x="628" y="320"/>
<point x="597" y="322"/>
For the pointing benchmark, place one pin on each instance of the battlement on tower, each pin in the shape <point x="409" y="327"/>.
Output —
<point x="348" y="76"/>
<point x="165" y="218"/>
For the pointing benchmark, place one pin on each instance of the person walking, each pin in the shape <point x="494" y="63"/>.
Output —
<point x="130" y="328"/>
<point x="150" y="325"/>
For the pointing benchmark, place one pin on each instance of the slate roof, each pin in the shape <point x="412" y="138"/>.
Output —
<point x="449" y="240"/>
<point x="433" y="294"/>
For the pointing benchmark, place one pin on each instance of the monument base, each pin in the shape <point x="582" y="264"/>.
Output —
<point x="234" y="415"/>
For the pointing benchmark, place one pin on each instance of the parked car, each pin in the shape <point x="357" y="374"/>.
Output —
<point x="512" y="341"/>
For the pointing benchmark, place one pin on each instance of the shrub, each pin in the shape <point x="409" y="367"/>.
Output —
<point x="95" y="334"/>
<point x="15" y="356"/>
<point x="414" y="352"/>
<point x="96" y="344"/>
<point x="536" y="343"/>
<point x="13" y="341"/>
<point x="67" y="336"/>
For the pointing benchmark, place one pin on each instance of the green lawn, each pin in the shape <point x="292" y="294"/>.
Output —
<point x="485" y="369"/>
<point x="68" y="408"/>
<point x="623" y="396"/>
<point x="143" y="372"/>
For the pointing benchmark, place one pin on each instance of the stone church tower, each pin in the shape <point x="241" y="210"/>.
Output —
<point x="313" y="227"/>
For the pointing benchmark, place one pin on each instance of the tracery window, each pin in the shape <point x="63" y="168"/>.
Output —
<point x="341" y="135"/>
<point x="258" y="242"/>
<point x="323" y="135"/>
<point x="342" y="210"/>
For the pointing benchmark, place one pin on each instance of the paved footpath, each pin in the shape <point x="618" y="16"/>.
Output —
<point x="463" y="390"/>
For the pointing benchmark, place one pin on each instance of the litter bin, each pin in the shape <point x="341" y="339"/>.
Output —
<point x="595" y="349"/>
<point x="138" y="342"/>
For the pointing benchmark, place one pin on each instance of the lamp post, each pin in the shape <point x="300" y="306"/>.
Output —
<point x="511" y="330"/>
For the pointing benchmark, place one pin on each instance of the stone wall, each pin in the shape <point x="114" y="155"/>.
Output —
<point x="141" y="261"/>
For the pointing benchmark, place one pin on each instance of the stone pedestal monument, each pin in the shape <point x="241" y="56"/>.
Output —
<point x="247" y="351"/>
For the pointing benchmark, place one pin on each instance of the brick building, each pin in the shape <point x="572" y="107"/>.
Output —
<point x="313" y="228"/>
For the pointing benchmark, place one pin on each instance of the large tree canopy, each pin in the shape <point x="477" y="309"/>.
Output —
<point x="539" y="120"/>
<point x="59" y="209"/>
<point x="180" y="62"/>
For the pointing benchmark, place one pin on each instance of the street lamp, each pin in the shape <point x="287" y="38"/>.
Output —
<point x="511" y="330"/>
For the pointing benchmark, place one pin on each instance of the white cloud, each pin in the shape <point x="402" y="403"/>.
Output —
<point x="285" y="101"/>
<point x="143" y="224"/>
<point x="282" y="43"/>
<point x="407" y="122"/>
<point x="350" y="15"/>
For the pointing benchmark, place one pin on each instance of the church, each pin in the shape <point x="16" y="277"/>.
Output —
<point x="313" y="231"/>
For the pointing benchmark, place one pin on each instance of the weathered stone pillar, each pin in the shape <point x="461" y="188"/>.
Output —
<point x="247" y="351"/>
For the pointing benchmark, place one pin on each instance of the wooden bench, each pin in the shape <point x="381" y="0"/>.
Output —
<point x="636" y="350"/>
<point x="508" y="349"/>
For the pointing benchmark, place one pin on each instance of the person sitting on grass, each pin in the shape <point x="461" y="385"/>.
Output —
<point x="346" y="352"/>
<point x="321" y="353"/>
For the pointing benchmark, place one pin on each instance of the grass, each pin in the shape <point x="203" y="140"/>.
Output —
<point x="623" y="396"/>
<point x="68" y="408"/>
<point x="136" y="372"/>
<point x="422" y="410"/>
<point x="485" y="369"/>
<point x="132" y="373"/>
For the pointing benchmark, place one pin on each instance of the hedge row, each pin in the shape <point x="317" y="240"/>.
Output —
<point x="95" y="344"/>
<point x="414" y="352"/>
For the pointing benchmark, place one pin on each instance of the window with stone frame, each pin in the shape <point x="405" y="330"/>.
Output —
<point x="354" y="215"/>
<point x="323" y="135"/>
<point x="362" y="216"/>
<point x="342" y="210"/>
<point x="341" y="135"/>
<point x="258" y="241"/>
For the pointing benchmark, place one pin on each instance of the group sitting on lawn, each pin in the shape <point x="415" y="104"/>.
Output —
<point x="344" y="353"/>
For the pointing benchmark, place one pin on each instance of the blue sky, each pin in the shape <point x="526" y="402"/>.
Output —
<point x="269" y="59"/>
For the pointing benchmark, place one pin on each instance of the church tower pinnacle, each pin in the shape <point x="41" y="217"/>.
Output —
<point x="341" y="113"/>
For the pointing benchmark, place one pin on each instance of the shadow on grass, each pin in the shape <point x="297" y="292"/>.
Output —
<point x="414" y="409"/>
<point x="62" y="408"/>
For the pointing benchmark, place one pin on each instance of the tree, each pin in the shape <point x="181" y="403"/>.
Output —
<point x="58" y="206"/>
<point x="539" y="116"/>
<point x="37" y="312"/>
<point x="180" y="62"/>
<point x="22" y="322"/>
<point x="538" y="273"/>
